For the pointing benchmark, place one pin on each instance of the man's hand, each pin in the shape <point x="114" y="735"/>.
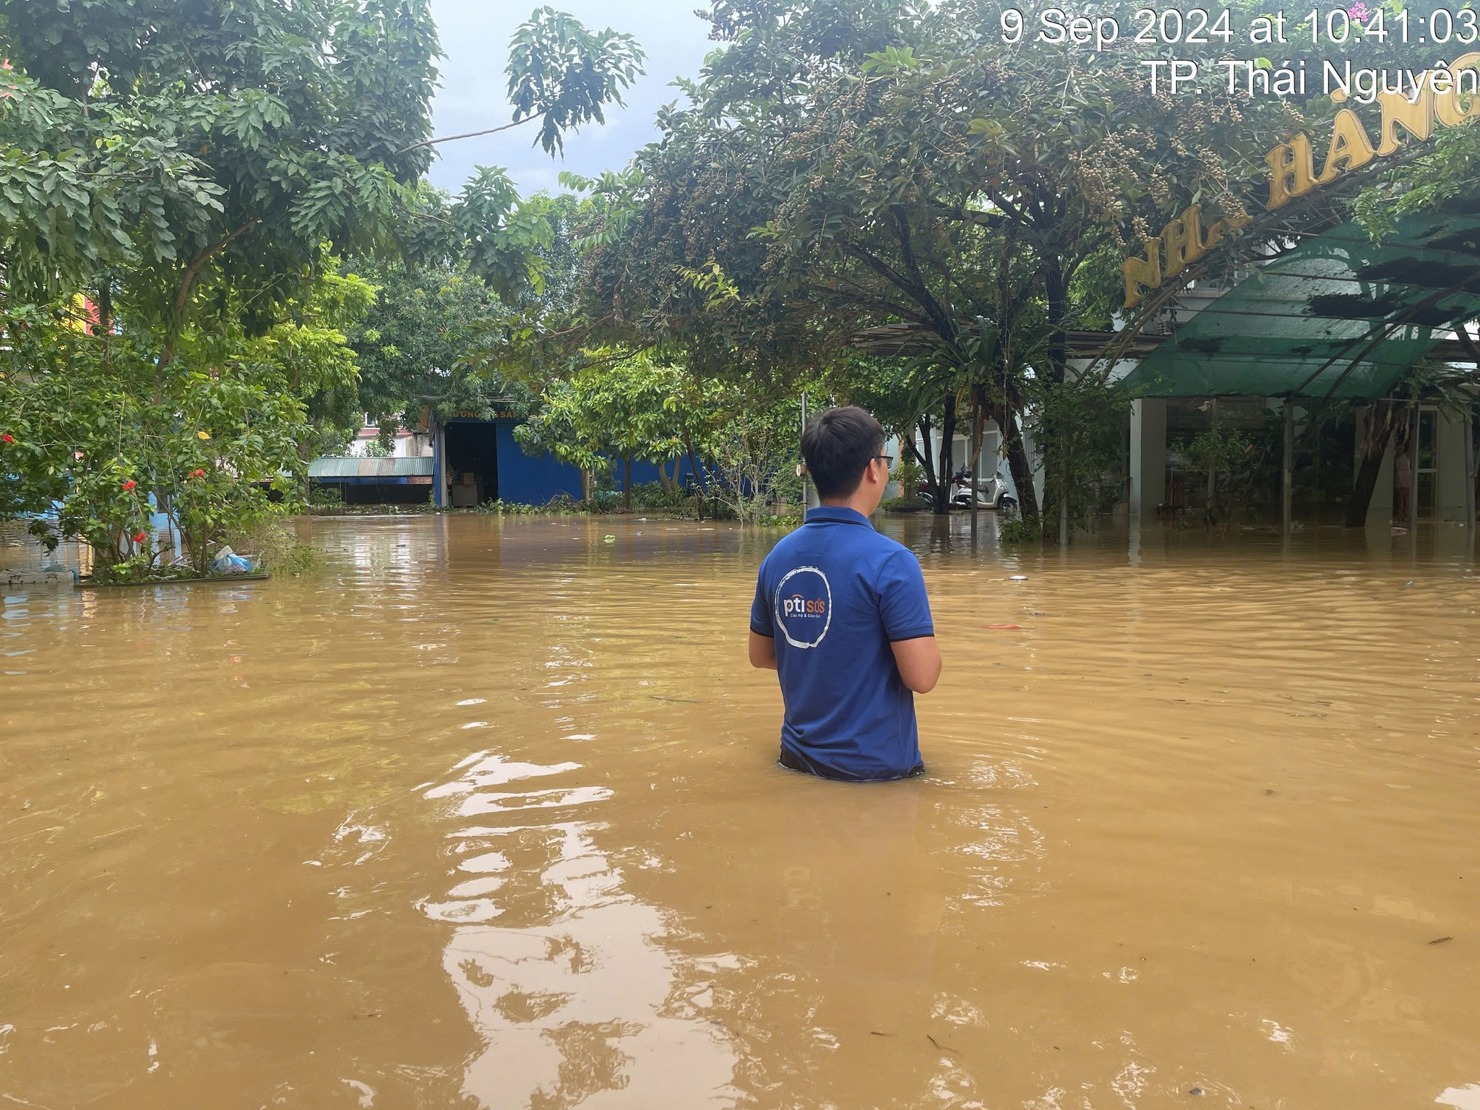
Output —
<point x="918" y="661"/>
<point x="763" y="652"/>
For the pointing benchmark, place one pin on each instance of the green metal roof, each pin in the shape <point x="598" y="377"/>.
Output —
<point x="1337" y="316"/>
<point x="384" y="468"/>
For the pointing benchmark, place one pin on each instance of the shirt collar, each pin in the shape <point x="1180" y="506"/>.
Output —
<point x="836" y="514"/>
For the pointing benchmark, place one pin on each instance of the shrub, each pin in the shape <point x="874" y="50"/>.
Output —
<point x="903" y="505"/>
<point x="652" y="497"/>
<point x="1019" y="531"/>
<point x="273" y="546"/>
<point x="325" y="497"/>
<point x="513" y="508"/>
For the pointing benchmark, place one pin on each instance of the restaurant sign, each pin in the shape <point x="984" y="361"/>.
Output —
<point x="1415" y="115"/>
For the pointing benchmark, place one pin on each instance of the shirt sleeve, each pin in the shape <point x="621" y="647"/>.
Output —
<point x="761" y="620"/>
<point x="903" y="603"/>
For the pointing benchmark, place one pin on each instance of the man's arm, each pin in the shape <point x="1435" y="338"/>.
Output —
<point x="763" y="651"/>
<point x="918" y="661"/>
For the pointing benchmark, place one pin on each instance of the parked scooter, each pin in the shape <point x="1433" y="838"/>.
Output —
<point x="990" y="493"/>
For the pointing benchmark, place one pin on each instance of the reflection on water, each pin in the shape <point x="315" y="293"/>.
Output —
<point x="562" y="972"/>
<point x="485" y="814"/>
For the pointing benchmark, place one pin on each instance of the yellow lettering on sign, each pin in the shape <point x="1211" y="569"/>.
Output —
<point x="1182" y="241"/>
<point x="1291" y="170"/>
<point x="1414" y="116"/>
<point x="1458" y="100"/>
<point x="1142" y="273"/>
<point x="1350" y="148"/>
<point x="1226" y="224"/>
<point x="1441" y="98"/>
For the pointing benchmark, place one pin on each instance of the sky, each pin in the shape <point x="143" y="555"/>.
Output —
<point x="475" y="39"/>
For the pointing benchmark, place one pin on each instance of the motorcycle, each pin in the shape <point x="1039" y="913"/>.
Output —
<point x="990" y="493"/>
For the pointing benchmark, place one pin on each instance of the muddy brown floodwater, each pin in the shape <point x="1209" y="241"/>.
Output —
<point x="484" y="814"/>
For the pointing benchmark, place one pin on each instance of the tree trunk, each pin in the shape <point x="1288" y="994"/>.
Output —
<point x="699" y="479"/>
<point x="1376" y="435"/>
<point x="627" y="483"/>
<point x="1016" y="451"/>
<point x="1362" y="490"/>
<point x="1022" y="475"/>
<point x="924" y="457"/>
<point x="1054" y="440"/>
<point x="105" y="307"/>
<point x="945" y="473"/>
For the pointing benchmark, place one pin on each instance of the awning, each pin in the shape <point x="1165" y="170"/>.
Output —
<point x="1337" y="316"/>
<point x="414" y="470"/>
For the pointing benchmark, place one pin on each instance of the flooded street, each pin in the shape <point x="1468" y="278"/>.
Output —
<point x="485" y="814"/>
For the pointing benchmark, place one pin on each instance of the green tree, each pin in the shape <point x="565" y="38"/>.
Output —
<point x="753" y="443"/>
<point x="276" y="130"/>
<point x="619" y="407"/>
<point x="904" y="172"/>
<point x="196" y="172"/>
<point x="414" y="350"/>
<point x="91" y="432"/>
<point x="98" y="432"/>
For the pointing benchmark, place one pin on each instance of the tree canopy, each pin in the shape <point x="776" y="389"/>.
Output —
<point x="838" y="170"/>
<point x="178" y="187"/>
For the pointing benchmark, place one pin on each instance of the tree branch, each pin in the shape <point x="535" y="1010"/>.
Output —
<point x="467" y="135"/>
<point x="937" y="313"/>
<point x="879" y="266"/>
<point x="187" y="283"/>
<point x="975" y="216"/>
<point x="199" y="261"/>
<point x="1468" y="342"/>
<point x="889" y="308"/>
<point x="1014" y="211"/>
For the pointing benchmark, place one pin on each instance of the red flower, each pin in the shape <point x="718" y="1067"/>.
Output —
<point x="197" y="473"/>
<point x="140" y="537"/>
<point x="130" y="484"/>
<point x="7" y="439"/>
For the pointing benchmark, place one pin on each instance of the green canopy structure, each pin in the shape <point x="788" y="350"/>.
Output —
<point x="1337" y="316"/>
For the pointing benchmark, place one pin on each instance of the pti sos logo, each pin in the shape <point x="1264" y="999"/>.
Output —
<point x="804" y="606"/>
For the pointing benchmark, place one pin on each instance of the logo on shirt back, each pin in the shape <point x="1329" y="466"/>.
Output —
<point x="804" y="606"/>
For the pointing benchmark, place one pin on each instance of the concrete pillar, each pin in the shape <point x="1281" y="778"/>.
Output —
<point x="1148" y="456"/>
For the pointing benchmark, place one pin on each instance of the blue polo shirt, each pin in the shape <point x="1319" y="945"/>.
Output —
<point x="833" y="595"/>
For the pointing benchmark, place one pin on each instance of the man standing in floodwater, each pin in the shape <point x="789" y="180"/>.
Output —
<point x="841" y="614"/>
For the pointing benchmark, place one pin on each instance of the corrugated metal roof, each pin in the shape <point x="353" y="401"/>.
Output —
<point x="353" y="466"/>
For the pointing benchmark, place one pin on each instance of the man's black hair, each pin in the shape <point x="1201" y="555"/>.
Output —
<point x="837" y="447"/>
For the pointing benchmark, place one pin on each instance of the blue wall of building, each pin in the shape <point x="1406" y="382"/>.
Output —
<point x="645" y="472"/>
<point x="534" y="480"/>
<point x="531" y="481"/>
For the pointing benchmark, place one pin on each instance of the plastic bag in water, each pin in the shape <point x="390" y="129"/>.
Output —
<point x="228" y="561"/>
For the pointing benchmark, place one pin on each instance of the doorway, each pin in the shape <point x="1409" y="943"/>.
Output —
<point x="1426" y="463"/>
<point x="472" y="462"/>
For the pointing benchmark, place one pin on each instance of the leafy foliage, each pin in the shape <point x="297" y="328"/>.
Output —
<point x="177" y="186"/>
<point x="93" y="436"/>
<point x="899" y="166"/>
<point x="563" y="74"/>
<point x="414" y="348"/>
<point x="617" y="407"/>
<point x="224" y="144"/>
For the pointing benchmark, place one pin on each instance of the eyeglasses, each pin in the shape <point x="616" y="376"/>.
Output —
<point x="888" y="460"/>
